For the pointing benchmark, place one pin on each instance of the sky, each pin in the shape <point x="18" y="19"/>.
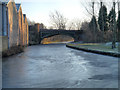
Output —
<point x="39" y="10"/>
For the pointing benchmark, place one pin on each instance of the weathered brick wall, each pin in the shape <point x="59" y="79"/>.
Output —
<point x="23" y="28"/>
<point x="33" y="35"/>
<point x="20" y="26"/>
<point x="23" y="31"/>
<point x="13" y="24"/>
<point x="26" y="31"/>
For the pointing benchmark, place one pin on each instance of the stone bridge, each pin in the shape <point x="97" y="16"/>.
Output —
<point x="77" y="35"/>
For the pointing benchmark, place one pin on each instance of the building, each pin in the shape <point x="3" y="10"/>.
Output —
<point x="4" y="26"/>
<point x="39" y="26"/>
<point x="20" y="24"/>
<point x="26" y="32"/>
<point x="34" y="33"/>
<point x="13" y="25"/>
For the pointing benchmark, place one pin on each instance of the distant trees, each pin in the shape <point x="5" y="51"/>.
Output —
<point x="104" y="27"/>
<point x="30" y="22"/>
<point x="58" y="20"/>
<point x="74" y="25"/>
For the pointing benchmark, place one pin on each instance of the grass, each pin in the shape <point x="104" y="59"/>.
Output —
<point x="95" y="46"/>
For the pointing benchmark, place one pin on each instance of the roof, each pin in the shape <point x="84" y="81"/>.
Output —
<point x="17" y="6"/>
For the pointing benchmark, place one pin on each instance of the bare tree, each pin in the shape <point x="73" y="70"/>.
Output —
<point x="74" y="25"/>
<point x="30" y="22"/>
<point x="58" y="20"/>
<point x="70" y="26"/>
<point x="91" y="7"/>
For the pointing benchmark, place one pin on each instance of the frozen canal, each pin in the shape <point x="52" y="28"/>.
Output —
<point x="56" y="66"/>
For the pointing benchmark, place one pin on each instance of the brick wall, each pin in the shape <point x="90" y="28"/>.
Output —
<point x="13" y="24"/>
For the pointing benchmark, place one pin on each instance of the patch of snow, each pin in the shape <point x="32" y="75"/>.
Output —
<point x="110" y="43"/>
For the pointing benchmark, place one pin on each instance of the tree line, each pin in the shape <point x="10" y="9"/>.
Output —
<point x="106" y="27"/>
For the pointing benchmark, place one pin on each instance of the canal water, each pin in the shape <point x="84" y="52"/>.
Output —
<point x="56" y="66"/>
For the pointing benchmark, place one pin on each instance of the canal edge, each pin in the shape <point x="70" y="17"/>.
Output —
<point x="95" y="51"/>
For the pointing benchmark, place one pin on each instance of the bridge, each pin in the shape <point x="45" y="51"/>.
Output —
<point x="77" y="35"/>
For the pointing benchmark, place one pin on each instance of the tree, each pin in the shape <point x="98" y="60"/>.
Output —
<point x="118" y="26"/>
<point x="103" y="19"/>
<point x="93" y="27"/>
<point x="93" y="24"/>
<point x="111" y="18"/>
<point x="30" y="22"/>
<point x="75" y="24"/>
<point x="112" y="24"/>
<point x="90" y="7"/>
<point x="58" y="20"/>
<point x="118" y="21"/>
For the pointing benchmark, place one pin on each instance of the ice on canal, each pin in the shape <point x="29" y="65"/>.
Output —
<point x="56" y="66"/>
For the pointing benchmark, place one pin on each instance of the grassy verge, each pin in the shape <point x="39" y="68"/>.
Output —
<point x="95" y="48"/>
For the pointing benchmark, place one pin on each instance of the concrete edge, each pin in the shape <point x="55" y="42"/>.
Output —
<point x="94" y="51"/>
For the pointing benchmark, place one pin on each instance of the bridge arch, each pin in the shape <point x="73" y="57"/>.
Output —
<point x="57" y="38"/>
<point x="50" y="35"/>
<point x="75" y="34"/>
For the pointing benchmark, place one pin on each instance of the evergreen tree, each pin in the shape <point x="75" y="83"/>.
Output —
<point x="94" y="28"/>
<point x="103" y="19"/>
<point x="111" y="19"/>
<point x="112" y="25"/>
<point x="93" y="24"/>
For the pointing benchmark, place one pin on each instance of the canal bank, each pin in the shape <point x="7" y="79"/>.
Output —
<point x="13" y="51"/>
<point x="95" y="48"/>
